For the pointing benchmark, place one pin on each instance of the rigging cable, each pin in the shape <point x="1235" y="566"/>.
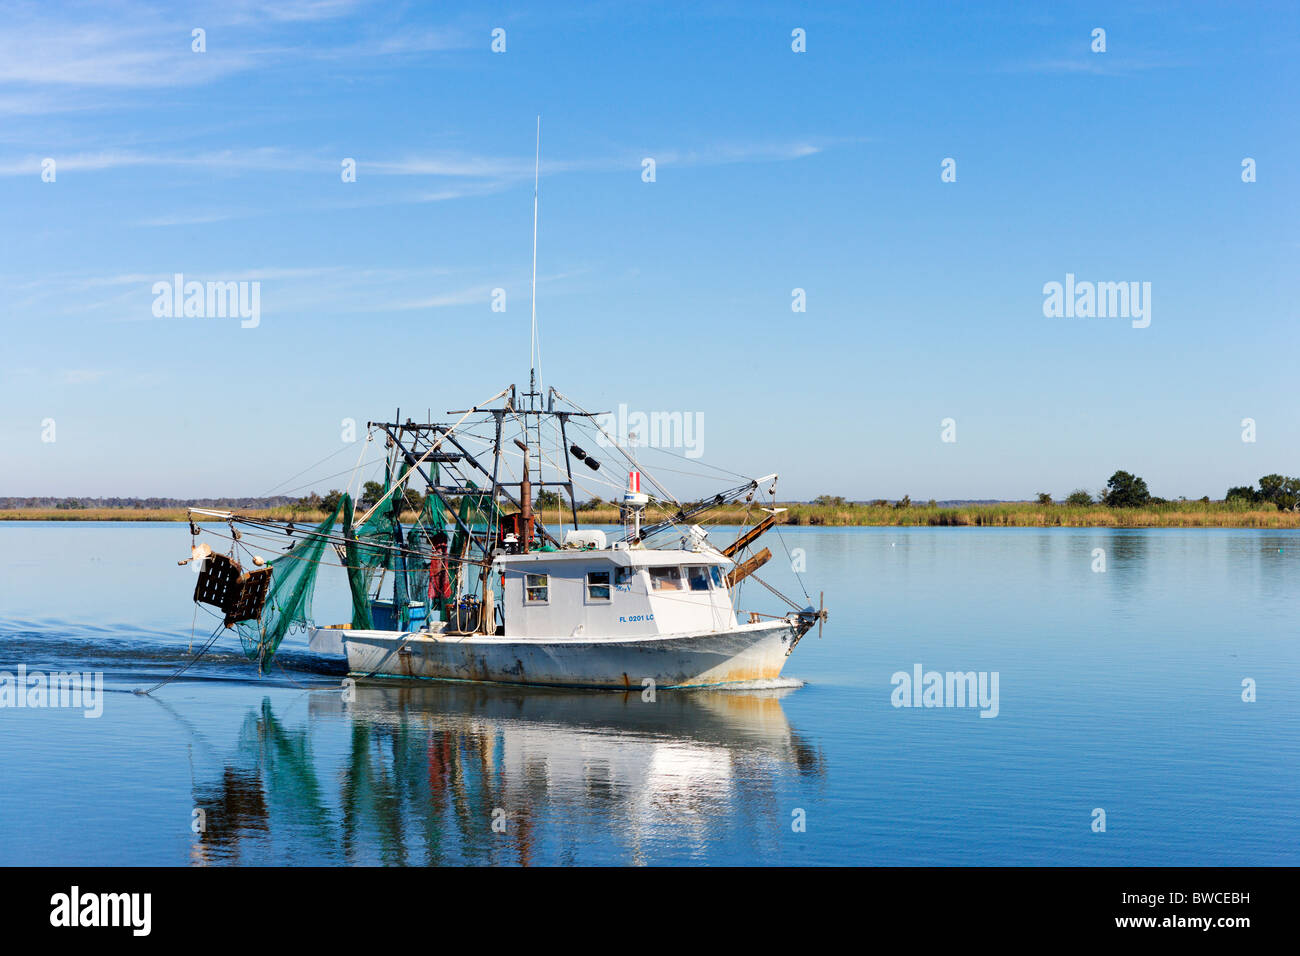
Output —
<point x="304" y="471"/>
<point x="356" y="469"/>
<point x="186" y="666"/>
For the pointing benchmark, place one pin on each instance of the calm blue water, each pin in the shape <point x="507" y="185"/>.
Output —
<point x="1118" y="690"/>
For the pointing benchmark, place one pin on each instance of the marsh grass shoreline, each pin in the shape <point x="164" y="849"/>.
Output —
<point x="1176" y="514"/>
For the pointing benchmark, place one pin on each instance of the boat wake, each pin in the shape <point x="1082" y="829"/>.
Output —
<point x="131" y="653"/>
<point x="770" y="683"/>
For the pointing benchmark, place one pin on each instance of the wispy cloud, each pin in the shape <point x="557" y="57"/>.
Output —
<point x="63" y="52"/>
<point x="466" y="296"/>
<point x="268" y="159"/>
<point x="727" y="154"/>
<point x="1094" y="64"/>
<point x="493" y="172"/>
<point x="288" y="11"/>
<point x="81" y="376"/>
<point x="337" y="289"/>
<point x="50" y="59"/>
<point x="197" y="218"/>
<point x="451" y="164"/>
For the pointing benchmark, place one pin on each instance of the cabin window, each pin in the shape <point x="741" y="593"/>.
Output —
<point x="715" y="576"/>
<point x="698" y="578"/>
<point x="623" y="577"/>
<point x="598" y="585"/>
<point x="666" y="579"/>
<point x="536" y="588"/>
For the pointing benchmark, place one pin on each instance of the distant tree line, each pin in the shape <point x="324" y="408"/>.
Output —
<point x="1123" y="490"/>
<point x="1278" y="489"/>
<point x="78" y="504"/>
<point x="1126" y="490"/>
<point x="371" y="492"/>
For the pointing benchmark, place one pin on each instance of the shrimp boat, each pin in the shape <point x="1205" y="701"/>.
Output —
<point x="484" y="588"/>
<point x="478" y="584"/>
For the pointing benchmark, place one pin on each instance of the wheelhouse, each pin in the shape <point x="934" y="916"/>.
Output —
<point x="613" y="592"/>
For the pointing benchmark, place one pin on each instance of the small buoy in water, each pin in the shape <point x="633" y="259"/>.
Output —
<point x="259" y="560"/>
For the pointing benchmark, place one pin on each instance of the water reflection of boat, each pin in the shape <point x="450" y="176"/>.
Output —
<point x="443" y="773"/>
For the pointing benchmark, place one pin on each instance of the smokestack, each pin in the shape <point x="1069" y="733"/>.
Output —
<point x="526" y="504"/>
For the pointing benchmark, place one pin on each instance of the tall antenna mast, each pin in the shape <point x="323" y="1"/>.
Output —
<point x="534" y="353"/>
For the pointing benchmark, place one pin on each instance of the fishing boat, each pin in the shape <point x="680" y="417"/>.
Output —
<point x="483" y="586"/>
<point x="480" y="585"/>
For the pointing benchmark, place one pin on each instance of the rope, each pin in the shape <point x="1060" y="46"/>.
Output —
<point x="793" y="606"/>
<point x="615" y="444"/>
<point x="304" y="471"/>
<point x="186" y="666"/>
<point x="776" y="526"/>
<point x="433" y="447"/>
<point x="357" y="467"/>
<point x="337" y="474"/>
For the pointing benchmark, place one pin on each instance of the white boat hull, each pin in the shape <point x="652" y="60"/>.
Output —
<point x="743" y="654"/>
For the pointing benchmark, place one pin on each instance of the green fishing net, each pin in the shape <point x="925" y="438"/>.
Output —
<point x="288" y="604"/>
<point x="419" y="538"/>
<point x="480" y="514"/>
<point x="369" y="554"/>
<point x="378" y="546"/>
<point x="372" y="554"/>
<point x="358" y="581"/>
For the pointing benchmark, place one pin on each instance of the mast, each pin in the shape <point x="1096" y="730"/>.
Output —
<point x="532" y="348"/>
<point x="534" y="441"/>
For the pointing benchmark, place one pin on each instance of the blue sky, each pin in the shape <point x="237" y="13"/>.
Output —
<point x="775" y="170"/>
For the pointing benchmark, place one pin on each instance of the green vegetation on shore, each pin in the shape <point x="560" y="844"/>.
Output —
<point x="1124" y="503"/>
<point x="1022" y="514"/>
<point x="94" y="513"/>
